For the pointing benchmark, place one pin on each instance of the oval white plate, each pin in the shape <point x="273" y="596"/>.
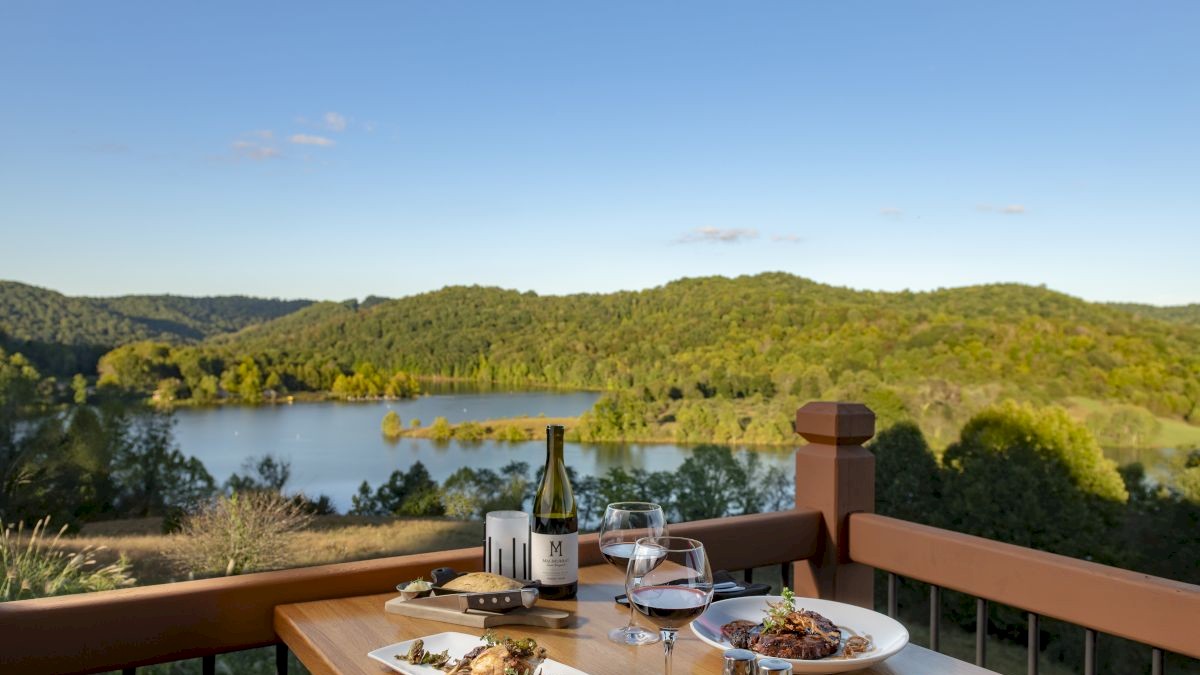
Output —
<point x="457" y="644"/>
<point x="886" y="634"/>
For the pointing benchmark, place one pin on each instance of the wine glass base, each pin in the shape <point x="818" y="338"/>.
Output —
<point x="633" y="636"/>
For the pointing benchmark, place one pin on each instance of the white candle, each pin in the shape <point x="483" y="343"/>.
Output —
<point x="506" y="550"/>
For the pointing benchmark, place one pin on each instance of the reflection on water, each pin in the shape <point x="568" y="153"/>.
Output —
<point x="333" y="447"/>
<point x="1156" y="461"/>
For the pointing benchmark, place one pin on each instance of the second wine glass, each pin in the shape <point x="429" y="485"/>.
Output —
<point x="624" y="523"/>
<point x="670" y="582"/>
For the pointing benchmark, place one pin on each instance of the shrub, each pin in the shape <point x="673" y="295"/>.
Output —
<point x="441" y="430"/>
<point x="39" y="567"/>
<point x="244" y="532"/>
<point x="511" y="433"/>
<point x="392" y="427"/>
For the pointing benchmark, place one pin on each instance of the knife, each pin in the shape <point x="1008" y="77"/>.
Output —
<point x="495" y="601"/>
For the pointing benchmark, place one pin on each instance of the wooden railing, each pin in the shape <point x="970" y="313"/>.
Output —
<point x="123" y="629"/>
<point x="832" y="533"/>
<point x="835" y="474"/>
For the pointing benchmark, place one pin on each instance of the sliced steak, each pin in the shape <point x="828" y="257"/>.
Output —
<point x="741" y="634"/>
<point x="793" y="646"/>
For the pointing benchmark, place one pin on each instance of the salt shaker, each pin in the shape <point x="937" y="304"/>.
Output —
<point x="739" y="662"/>
<point x="774" y="667"/>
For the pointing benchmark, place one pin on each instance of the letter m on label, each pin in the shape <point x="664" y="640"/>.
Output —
<point x="556" y="549"/>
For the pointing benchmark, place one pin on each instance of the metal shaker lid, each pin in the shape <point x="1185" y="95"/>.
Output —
<point x="774" y="667"/>
<point x="738" y="662"/>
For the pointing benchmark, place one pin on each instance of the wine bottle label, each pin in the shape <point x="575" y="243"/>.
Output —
<point x="555" y="558"/>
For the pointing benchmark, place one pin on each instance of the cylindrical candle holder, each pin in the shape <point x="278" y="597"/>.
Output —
<point x="506" y="547"/>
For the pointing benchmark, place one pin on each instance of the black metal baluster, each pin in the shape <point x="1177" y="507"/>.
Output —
<point x="1032" y="645"/>
<point x="891" y="610"/>
<point x="981" y="625"/>
<point x="1089" y="651"/>
<point x="1156" y="662"/>
<point x="281" y="658"/>
<point x="208" y="664"/>
<point x="785" y="575"/>
<point x="935" y="617"/>
<point x="129" y="671"/>
<point x="748" y="575"/>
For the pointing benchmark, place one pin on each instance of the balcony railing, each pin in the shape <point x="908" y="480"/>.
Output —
<point x="828" y="546"/>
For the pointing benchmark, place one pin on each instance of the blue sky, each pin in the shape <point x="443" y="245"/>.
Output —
<point x="331" y="150"/>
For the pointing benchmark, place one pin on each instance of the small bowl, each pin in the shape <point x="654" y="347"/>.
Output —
<point x="409" y="595"/>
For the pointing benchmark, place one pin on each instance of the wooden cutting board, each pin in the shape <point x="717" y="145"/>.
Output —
<point x="525" y="616"/>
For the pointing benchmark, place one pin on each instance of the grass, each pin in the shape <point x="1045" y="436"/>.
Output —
<point x="1173" y="433"/>
<point x="35" y="565"/>
<point x="328" y="539"/>
<point x="517" y="429"/>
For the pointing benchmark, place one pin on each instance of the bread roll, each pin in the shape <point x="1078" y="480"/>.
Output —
<point x="481" y="582"/>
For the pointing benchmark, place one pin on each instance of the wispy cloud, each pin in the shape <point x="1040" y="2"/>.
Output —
<point x="254" y="150"/>
<point x="891" y="212"/>
<point x="720" y="235"/>
<point x="309" y="139"/>
<point x="1010" y="210"/>
<point x="106" y="148"/>
<point x="264" y="134"/>
<point x="787" y="238"/>
<point x="334" y="121"/>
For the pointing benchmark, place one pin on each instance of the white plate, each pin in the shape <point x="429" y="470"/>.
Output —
<point x="457" y="644"/>
<point x="886" y="634"/>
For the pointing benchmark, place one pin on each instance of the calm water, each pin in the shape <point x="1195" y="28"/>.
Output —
<point x="333" y="447"/>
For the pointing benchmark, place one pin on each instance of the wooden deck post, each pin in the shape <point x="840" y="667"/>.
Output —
<point x="835" y="475"/>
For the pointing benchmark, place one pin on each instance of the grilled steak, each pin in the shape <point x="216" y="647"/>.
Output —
<point x="785" y="644"/>
<point x="741" y="633"/>
<point x="793" y="646"/>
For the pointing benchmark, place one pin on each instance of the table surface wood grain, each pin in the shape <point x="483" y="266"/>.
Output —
<point x="332" y="637"/>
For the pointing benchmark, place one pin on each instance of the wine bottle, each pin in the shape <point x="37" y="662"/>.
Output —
<point x="554" y="540"/>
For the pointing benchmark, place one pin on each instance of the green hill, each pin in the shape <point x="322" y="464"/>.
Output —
<point x="747" y="348"/>
<point x="1185" y="314"/>
<point x="64" y="334"/>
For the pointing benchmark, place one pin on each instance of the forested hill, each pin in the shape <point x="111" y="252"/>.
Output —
<point x="767" y="334"/>
<point x="1185" y="314"/>
<point x="64" y="334"/>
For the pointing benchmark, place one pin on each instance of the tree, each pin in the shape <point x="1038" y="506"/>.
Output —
<point x="440" y="431"/>
<point x="79" y="387"/>
<point x="908" y="482"/>
<point x="152" y="475"/>
<point x="710" y="483"/>
<point x="392" y="426"/>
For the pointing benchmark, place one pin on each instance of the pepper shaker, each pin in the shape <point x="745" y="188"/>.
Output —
<point x="774" y="667"/>
<point x="738" y="662"/>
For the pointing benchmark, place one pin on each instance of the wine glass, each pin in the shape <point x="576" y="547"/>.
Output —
<point x="670" y="582"/>
<point x="624" y="523"/>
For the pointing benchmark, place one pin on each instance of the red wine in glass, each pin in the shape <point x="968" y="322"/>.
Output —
<point x="618" y="554"/>
<point x="670" y="606"/>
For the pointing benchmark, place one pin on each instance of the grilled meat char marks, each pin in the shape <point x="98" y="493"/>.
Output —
<point x="786" y="644"/>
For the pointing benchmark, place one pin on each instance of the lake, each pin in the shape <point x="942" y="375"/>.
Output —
<point x="334" y="446"/>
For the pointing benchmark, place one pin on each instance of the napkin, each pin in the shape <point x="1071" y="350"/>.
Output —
<point x="721" y="576"/>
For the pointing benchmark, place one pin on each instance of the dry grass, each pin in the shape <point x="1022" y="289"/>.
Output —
<point x="505" y="429"/>
<point x="244" y="532"/>
<point x="327" y="539"/>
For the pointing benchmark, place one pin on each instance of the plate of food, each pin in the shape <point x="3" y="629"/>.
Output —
<point x="462" y="654"/>
<point x="817" y="636"/>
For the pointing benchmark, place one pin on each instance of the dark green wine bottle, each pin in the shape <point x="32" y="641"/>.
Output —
<point x="554" y="541"/>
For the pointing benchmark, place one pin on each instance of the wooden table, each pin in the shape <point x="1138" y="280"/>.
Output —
<point x="332" y="637"/>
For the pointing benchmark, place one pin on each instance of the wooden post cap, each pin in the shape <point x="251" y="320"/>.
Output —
<point x="835" y="423"/>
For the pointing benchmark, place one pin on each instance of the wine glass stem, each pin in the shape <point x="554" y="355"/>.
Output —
<point x="632" y="618"/>
<point x="668" y="640"/>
